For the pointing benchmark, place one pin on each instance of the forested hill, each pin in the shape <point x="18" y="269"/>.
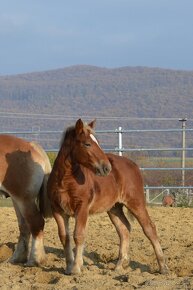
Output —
<point x="88" y="90"/>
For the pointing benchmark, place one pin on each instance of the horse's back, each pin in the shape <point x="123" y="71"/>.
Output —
<point x="125" y="169"/>
<point x="14" y="146"/>
<point x="9" y="143"/>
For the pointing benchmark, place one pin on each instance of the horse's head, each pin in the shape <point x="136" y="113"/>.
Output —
<point x="86" y="150"/>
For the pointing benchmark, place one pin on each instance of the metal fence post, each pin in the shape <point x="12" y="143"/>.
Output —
<point x="120" y="146"/>
<point x="183" y="158"/>
<point x="147" y="195"/>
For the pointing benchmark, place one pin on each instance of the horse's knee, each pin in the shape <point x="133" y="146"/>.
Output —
<point x="79" y="238"/>
<point x="79" y="234"/>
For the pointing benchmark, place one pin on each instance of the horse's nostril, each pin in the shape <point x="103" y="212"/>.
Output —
<point x="106" y="169"/>
<point x="98" y="172"/>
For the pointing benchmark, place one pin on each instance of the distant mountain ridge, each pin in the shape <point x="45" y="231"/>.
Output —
<point x="83" y="89"/>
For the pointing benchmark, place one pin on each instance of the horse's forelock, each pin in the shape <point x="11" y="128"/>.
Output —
<point x="70" y="132"/>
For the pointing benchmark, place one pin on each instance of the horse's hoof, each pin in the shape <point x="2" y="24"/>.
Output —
<point x="13" y="260"/>
<point x="35" y="262"/>
<point x="68" y="270"/>
<point x="122" y="265"/>
<point x="31" y="263"/>
<point x="164" y="270"/>
<point x="76" y="270"/>
<point x="118" y="268"/>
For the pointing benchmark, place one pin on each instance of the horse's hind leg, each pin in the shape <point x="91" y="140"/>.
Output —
<point x="123" y="228"/>
<point x="35" y="224"/>
<point x="149" y="229"/>
<point x="20" y="254"/>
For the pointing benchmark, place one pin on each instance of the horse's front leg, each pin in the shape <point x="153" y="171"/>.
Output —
<point x="79" y="237"/>
<point x="64" y="235"/>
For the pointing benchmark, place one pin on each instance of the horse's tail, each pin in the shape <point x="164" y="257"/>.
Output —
<point x="43" y="200"/>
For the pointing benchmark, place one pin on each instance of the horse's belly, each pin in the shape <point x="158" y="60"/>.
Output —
<point x="105" y="194"/>
<point x="103" y="203"/>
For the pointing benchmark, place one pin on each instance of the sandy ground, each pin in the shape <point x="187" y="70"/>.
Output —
<point x="175" y="229"/>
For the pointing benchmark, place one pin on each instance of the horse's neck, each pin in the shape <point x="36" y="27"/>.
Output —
<point x="64" y="161"/>
<point x="69" y="168"/>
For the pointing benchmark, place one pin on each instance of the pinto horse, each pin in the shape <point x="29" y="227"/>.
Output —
<point x="84" y="180"/>
<point x="24" y="170"/>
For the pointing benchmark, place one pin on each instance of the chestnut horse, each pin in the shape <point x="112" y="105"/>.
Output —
<point x="24" y="170"/>
<point x="84" y="180"/>
<point x="169" y="200"/>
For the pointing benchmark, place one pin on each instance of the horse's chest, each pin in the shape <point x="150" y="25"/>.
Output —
<point x="61" y="200"/>
<point x="69" y="200"/>
<point x="67" y="210"/>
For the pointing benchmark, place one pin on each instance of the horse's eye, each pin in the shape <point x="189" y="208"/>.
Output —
<point x="87" y="145"/>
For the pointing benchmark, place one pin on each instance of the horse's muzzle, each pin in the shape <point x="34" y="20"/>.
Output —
<point x="103" y="169"/>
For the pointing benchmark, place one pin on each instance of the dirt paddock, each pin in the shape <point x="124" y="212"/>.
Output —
<point x="175" y="229"/>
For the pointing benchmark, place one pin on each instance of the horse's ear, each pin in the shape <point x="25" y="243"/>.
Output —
<point x="79" y="126"/>
<point x="92" y="124"/>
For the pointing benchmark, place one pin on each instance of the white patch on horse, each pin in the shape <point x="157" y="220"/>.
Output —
<point x="94" y="139"/>
<point x="37" y="251"/>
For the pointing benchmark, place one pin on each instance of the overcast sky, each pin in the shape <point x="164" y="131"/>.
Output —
<point x="38" y="35"/>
